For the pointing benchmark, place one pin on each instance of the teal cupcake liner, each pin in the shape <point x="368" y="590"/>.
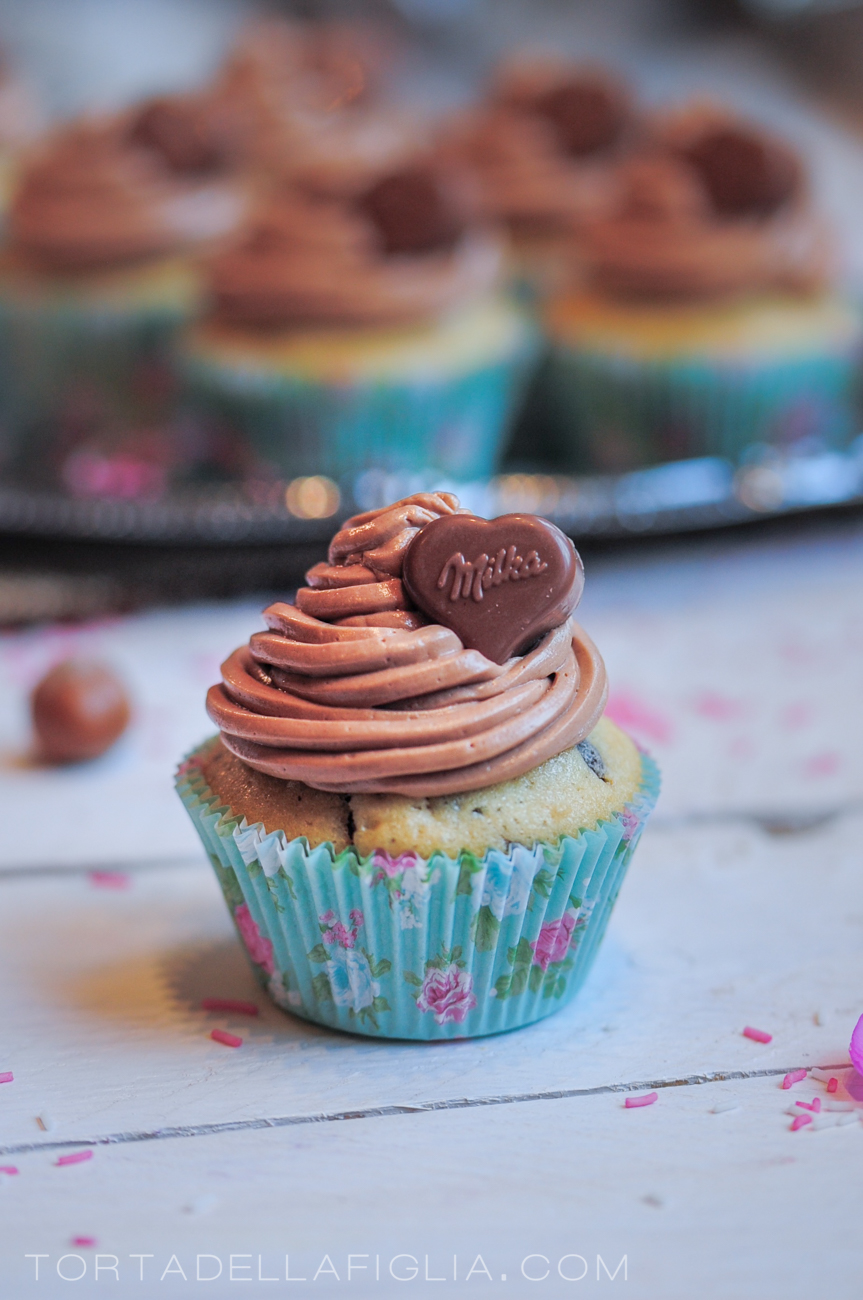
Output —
<point x="413" y="948"/>
<point x="613" y="412"/>
<point x="454" y="423"/>
<point x="73" y="370"/>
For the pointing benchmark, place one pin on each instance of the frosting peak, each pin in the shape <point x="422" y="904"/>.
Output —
<point x="712" y="208"/>
<point x="351" y="689"/>
<point x="93" y="197"/>
<point x="543" y="148"/>
<point x="398" y="253"/>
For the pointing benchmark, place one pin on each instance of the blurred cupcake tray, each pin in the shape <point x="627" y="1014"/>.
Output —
<point x="679" y="496"/>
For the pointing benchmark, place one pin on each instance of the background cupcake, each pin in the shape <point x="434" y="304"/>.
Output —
<point x="99" y="272"/>
<point x="356" y="328"/>
<point x="287" y="81"/>
<point x="543" y="149"/>
<point x="708" y="325"/>
<point x="416" y="840"/>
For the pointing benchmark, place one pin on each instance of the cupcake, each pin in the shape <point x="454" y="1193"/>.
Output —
<point x="287" y="81"/>
<point x="416" y="810"/>
<point x="708" y="325"/>
<point x="98" y="273"/>
<point x="362" y="327"/>
<point x="543" y="150"/>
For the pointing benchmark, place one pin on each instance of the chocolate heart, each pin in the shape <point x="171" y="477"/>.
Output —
<point x="499" y="584"/>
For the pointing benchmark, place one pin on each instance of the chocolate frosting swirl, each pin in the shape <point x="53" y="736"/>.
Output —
<point x="94" y="198"/>
<point x="524" y="179"/>
<point x="353" y="691"/>
<point x="309" y="261"/>
<point x="713" y="208"/>
<point x="544" y="145"/>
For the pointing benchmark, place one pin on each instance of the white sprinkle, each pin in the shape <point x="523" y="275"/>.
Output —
<point x="824" y="1076"/>
<point x="723" y="1107"/>
<point x="829" y="1104"/>
<point x="822" y="1121"/>
<point x="201" y="1204"/>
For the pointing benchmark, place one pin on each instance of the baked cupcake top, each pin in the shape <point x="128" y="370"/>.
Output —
<point x="543" y="144"/>
<point x="102" y="193"/>
<point x="403" y="249"/>
<point x="710" y="207"/>
<point x="433" y="652"/>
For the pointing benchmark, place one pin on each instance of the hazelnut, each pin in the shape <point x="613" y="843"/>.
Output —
<point x="79" y="709"/>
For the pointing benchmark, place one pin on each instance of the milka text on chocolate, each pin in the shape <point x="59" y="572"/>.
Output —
<point x="474" y="577"/>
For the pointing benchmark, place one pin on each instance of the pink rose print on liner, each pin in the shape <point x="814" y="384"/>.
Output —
<point x="553" y="942"/>
<point x="631" y="823"/>
<point x="390" y="867"/>
<point x="338" y="933"/>
<point x="633" y="714"/>
<point x="448" y="994"/>
<point x="259" y="949"/>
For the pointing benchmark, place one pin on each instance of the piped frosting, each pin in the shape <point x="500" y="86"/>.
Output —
<point x="352" y="690"/>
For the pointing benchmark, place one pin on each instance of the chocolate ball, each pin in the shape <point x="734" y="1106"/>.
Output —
<point x="79" y="709"/>
<point x="588" y="114"/>
<point x="189" y="138"/>
<point x="413" y="212"/>
<point x="745" y="174"/>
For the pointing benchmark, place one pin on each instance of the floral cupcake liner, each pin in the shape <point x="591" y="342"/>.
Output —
<point x="77" y="367"/>
<point x="616" y="412"/>
<point x="412" y="948"/>
<point x="454" y="421"/>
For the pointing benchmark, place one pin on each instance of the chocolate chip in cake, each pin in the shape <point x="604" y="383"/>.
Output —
<point x="593" y="759"/>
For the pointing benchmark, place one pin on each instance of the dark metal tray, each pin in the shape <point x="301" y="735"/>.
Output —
<point x="676" y="497"/>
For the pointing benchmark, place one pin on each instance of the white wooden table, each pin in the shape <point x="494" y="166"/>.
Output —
<point x="738" y="664"/>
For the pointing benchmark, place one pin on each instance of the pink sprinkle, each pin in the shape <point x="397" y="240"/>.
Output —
<point x="8" y="1169"/>
<point x="823" y="764"/>
<point x="110" y="879"/>
<point x="7" y="1076"/>
<point x="630" y="712"/>
<point x="800" y="1122"/>
<point x="222" y="1036"/>
<point x="717" y="707"/>
<point x="646" y="1100"/>
<point x="832" y="1084"/>
<point x="76" y="1158"/>
<point x="795" y="1076"/>
<point x="757" y="1035"/>
<point x="814" y="1105"/>
<point x="82" y="1241"/>
<point x="230" y="1004"/>
<point x="855" y="1049"/>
